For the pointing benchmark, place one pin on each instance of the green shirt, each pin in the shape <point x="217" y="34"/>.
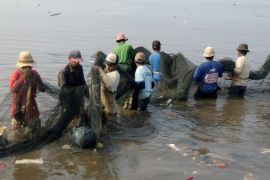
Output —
<point x="125" y="52"/>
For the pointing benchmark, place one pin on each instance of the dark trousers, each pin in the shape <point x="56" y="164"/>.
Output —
<point x="143" y="103"/>
<point x="201" y="94"/>
<point x="237" y="91"/>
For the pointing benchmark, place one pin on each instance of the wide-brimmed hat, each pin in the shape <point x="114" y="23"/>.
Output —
<point x="209" y="52"/>
<point x="120" y="36"/>
<point x="25" y="59"/>
<point x="140" y="57"/>
<point x="243" y="47"/>
<point x="111" y="58"/>
<point x="76" y="54"/>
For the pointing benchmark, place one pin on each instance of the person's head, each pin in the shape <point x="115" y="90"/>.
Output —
<point x="111" y="62"/>
<point x="120" y="37"/>
<point x="156" y="45"/>
<point x="242" y="49"/>
<point x="140" y="58"/>
<point x="209" y="53"/>
<point x="75" y="58"/>
<point x="25" y="60"/>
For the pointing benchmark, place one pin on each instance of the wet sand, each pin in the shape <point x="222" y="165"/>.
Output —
<point x="163" y="143"/>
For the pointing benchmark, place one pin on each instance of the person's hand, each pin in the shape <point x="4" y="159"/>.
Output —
<point x="96" y="68"/>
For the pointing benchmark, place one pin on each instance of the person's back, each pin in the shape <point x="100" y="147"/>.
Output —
<point x="125" y="53"/>
<point x="154" y="60"/>
<point x="207" y="75"/>
<point x="144" y="82"/>
<point x="24" y="83"/>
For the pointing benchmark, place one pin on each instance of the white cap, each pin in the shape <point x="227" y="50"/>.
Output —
<point x="209" y="52"/>
<point x="111" y="58"/>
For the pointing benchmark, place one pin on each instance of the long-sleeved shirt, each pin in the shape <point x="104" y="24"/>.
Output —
<point x="110" y="81"/>
<point x="207" y="74"/>
<point x="22" y="91"/>
<point x="71" y="77"/>
<point x="241" y="71"/>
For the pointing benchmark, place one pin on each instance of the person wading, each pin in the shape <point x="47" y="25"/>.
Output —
<point x="109" y="82"/>
<point x="241" y="72"/>
<point x="207" y="75"/>
<point x="154" y="60"/>
<point x="71" y="80"/>
<point x="125" y="53"/>
<point x="144" y="83"/>
<point x="24" y="83"/>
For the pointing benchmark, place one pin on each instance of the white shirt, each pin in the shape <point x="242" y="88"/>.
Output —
<point x="241" y="71"/>
<point x="144" y="74"/>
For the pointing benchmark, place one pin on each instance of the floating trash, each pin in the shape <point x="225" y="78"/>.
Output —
<point x="265" y="151"/>
<point x="176" y="148"/>
<point x="249" y="176"/>
<point x="29" y="161"/>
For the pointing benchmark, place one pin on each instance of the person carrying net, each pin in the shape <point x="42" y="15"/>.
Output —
<point x="24" y="83"/>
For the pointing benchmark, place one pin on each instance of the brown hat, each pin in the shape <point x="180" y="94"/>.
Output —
<point x="243" y="47"/>
<point x="140" y="57"/>
<point x="120" y="36"/>
<point x="25" y="59"/>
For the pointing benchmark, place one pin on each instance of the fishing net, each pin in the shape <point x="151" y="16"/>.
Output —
<point x="259" y="78"/>
<point x="56" y="110"/>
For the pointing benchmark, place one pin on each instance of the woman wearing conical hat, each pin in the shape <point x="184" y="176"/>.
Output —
<point x="24" y="83"/>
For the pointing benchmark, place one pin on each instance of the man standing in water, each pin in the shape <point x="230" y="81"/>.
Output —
<point x="125" y="53"/>
<point x="241" y="72"/>
<point x="24" y="83"/>
<point x="73" y="85"/>
<point x="154" y="60"/>
<point x="126" y="65"/>
<point x="144" y="82"/>
<point x="110" y="79"/>
<point x="207" y="75"/>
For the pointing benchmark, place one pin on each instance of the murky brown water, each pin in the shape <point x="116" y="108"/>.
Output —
<point x="168" y="142"/>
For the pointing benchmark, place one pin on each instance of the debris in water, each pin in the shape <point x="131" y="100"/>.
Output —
<point x="99" y="145"/>
<point x="51" y="13"/>
<point x="55" y="14"/>
<point x="190" y="178"/>
<point x="265" y="151"/>
<point x="66" y="146"/>
<point x="172" y="146"/>
<point x="169" y="101"/>
<point x="249" y="176"/>
<point x="3" y="165"/>
<point x="222" y="165"/>
<point x="29" y="161"/>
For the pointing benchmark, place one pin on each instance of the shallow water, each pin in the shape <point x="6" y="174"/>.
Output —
<point x="162" y="143"/>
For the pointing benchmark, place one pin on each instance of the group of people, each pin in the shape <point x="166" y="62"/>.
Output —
<point x="25" y="82"/>
<point x="123" y="62"/>
<point x="207" y="74"/>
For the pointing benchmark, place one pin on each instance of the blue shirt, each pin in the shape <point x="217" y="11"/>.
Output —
<point x="207" y="74"/>
<point x="154" y="60"/>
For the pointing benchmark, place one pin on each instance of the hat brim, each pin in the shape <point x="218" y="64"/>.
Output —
<point x="243" y="50"/>
<point x="121" y="40"/>
<point x="23" y="64"/>
<point x="208" y="55"/>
